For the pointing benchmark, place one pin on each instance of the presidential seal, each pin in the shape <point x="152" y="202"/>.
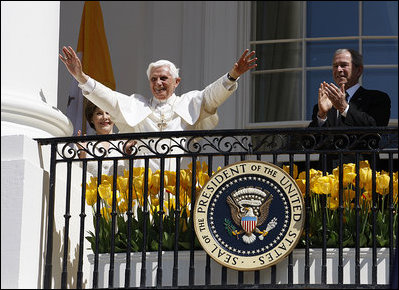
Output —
<point x="249" y="215"/>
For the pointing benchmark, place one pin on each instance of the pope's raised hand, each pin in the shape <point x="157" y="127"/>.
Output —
<point x="73" y="64"/>
<point x="246" y="62"/>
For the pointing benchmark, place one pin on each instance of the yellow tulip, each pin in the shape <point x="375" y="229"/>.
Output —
<point x="137" y="171"/>
<point x="171" y="178"/>
<point x="106" y="178"/>
<point x="170" y="189"/>
<point x="155" y="183"/>
<point x="105" y="190"/>
<point x="349" y="167"/>
<point x="185" y="198"/>
<point x="364" y="163"/>
<point x="91" y="196"/>
<point x="185" y="180"/>
<point x="332" y="203"/>
<point x="122" y="184"/>
<point x="198" y="166"/>
<point x="138" y="183"/>
<point x="301" y="184"/>
<point x="202" y="179"/>
<point x="365" y="175"/>
<point x="302" y="175"/>
<point x="334" y="186"/>
<point x="382" y="183"/>
<point x="204" y="167"/>
<point x="367" y="196"/>
<point x="313" y="173"/>
<point x="395" y="187"/>
<point x="149" y="176"/>
<point x="125" y="173"/>
<point x="93" y="183"/>
<point x="109" y="201"/>
<point x="322" y="185"/>
<point x="294" y="171"/>
<point x="154" y="201"/>
<point x="349" y="178"/>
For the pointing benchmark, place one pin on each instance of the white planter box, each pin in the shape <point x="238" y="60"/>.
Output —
<point x="315" y="260"/>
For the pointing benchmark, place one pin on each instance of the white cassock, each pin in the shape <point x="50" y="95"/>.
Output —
<point x="195" y="110"/>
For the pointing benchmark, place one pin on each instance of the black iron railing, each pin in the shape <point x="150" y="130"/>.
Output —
<point x="307" y="148"/>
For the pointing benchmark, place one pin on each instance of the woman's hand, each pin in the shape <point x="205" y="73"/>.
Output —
<point x="82" y="147"/>
<point x="129" y="146"/>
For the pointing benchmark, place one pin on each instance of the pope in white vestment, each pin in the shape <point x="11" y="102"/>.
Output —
<point x="195" y="110"/>
<point x="164" y="111"/>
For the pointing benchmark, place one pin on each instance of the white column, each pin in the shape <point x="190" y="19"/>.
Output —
<point x="29" y="74"/>
<point x="29" y="70"/>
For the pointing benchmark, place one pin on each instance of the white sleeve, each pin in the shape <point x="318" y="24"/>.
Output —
<point x="228" y="84"/>
<point x="345" y="112"/>
<point x="88" y="87"/>
<point x="124" y="110"/>
<point x="321" y="121"/>
<point x="217" y="93"/>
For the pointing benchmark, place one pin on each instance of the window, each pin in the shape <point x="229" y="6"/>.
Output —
<point x="295" y="41"/>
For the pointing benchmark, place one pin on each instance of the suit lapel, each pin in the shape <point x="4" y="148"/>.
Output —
<point x="358" y="95"/>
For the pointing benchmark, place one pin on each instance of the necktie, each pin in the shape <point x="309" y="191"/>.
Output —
<point x="339" y="116"/>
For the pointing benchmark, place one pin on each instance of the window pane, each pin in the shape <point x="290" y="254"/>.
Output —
<point x="380" y="51"/>
<point x="277" y="56"/>
<point x="313" y="81"/>
<point x="380" y="18"/>
<point x="278" y="97"/>
<point x="320" y="53"/>
<point x="278" y="19"/>
<point x="332" y="18"/>
<point x="385" y="80"/>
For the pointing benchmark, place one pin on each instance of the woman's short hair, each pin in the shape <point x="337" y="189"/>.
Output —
<point x="174" y="71"/>
<point x="89" y="112"/>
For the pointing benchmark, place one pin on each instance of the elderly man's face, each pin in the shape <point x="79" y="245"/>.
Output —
<point x="344" y="72"/>
<point x="162" y="83"/>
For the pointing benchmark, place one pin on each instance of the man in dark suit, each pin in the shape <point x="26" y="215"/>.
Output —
<point x="362" y="107"/>
<point x="347" y="104"/>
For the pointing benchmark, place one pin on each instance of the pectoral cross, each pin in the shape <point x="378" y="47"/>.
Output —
<point x="162" y="124"/>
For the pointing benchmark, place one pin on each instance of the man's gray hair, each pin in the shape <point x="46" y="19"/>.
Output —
<point x="357" y="58"/>
<point x="172" y="68"/>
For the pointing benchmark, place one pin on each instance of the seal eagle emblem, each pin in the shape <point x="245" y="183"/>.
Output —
<point x="249" y="215"/>
<point x="249" y="209"/>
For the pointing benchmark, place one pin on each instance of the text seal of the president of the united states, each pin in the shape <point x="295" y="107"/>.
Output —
<point x="249" y="215"/>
